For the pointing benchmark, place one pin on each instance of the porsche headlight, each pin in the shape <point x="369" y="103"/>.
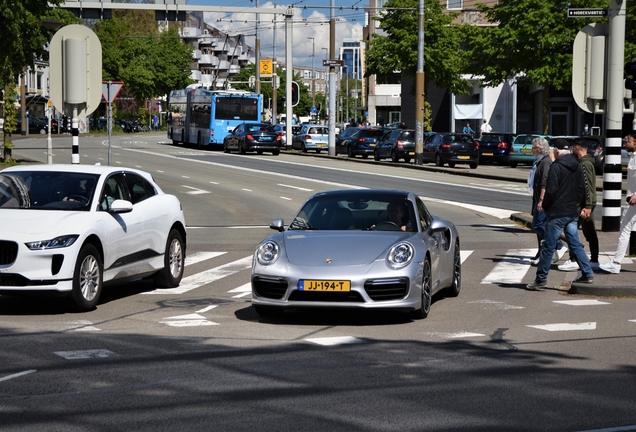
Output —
<point x="55" y="243"/>
<point x="267" y="253"/>
<point x="400" y="255"/>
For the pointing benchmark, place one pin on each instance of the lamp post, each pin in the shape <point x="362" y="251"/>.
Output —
<point x="313" y="71"/>
<point x="347" y="98"/>
<point x="326" y="86"/>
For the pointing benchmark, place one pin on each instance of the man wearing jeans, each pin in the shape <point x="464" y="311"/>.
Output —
<point x="563" y="194"/>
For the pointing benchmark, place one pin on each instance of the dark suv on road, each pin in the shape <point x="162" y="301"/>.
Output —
<point x="495" y="147"/>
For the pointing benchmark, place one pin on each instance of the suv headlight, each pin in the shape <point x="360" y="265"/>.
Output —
<point x="56" y="243"/>
<point x="267" y="253"/>
<point x="400" y="255"/>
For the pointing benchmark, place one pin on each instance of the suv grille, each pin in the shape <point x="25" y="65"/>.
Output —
<point x="8" y="252"/>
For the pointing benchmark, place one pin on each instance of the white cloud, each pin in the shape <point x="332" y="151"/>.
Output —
<point x="306" y="23"/>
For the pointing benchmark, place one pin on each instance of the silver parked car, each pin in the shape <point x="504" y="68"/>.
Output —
<point x="367" y="249"/>
<point x="311" y="137"/>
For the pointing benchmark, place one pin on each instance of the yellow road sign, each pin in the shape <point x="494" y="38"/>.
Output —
<point x="266" y="68"/>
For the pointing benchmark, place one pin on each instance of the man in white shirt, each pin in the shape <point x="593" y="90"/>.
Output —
<point x="485" y="127"/>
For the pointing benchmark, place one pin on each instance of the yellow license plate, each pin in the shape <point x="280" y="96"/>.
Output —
<point x="463" y="157"/>
<point x="486" y="154"/>
<point x="526" y="150"/>
<point x="321" y="145"/>
<point x="372" y="145"/>
<point x="324" y="285"/>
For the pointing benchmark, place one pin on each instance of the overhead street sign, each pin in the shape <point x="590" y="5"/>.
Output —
<point x="332" y="63"/>
<point x="587" y="13"/>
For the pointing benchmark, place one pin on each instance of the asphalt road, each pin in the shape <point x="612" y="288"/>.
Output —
<point x="498" y="357"/>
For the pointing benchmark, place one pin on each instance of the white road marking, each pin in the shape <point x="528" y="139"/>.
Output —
<point x="285" y="198"/>
<point x="581" y="302"/>
<point x="565" y="326"/>
<point x="195" y="191"/>
<point x="457" y="335"/>
<point x="243" y="290"/>
<point x="295" y="187"/>
<point x="206" y="309"/>
<point x="634" y="321"/>
<point x="201" y="256"/>
<point x="492" y="211"/>
<point x="247" y="190"/>
<point x="496" y="305"/>
<point x="206" y="277"/>
<point x="84" y="354"/>
<point x="338" y="340"/>
<point x="512" y="268"/>
<point x="17" y="375"/>
<point x="190" y="320"/>
<point x="463" y="255"/>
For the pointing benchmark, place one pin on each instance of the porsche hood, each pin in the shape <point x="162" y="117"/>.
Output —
<point x="343" y="248"/>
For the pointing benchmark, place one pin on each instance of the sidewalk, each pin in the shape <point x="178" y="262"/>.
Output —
<point x="605" y="284"/>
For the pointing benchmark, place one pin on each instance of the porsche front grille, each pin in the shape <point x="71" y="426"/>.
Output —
<point x="269" y="287"/>
<point x="387" y="289"/>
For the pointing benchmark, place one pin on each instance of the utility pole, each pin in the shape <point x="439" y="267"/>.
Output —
<point x="419" y="88"/>
<point x="313" y="71"/>
<point x="612" y="172"/>
<point x="274" y="77"/>
<point x="332" y="79"/>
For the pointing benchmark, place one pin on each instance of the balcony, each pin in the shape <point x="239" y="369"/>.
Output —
<point x="206" y="80"/>
<point x="188" y="32"/>
<point x="195" y="75"/>
<point x="196" y="54"/>
<point x="208" y="59"/>
<point x="224" y="65"/>
<point x="234" y="69"/>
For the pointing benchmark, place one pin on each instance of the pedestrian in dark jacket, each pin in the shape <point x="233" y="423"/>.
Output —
<point x="586" y="215"/>
<point x="564" y="195"/>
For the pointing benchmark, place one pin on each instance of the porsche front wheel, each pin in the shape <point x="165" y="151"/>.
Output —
<point x="425" y="308"/>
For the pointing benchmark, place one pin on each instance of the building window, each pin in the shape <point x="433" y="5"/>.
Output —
<point x="454" y="4"/>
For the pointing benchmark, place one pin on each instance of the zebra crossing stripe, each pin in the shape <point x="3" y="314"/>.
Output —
<point x="565" y="326"/>
<point x="206" y="277"/>
<point x="512" y="268"/>
<point x="201" y="256"/>
<point x="243" y="290"/>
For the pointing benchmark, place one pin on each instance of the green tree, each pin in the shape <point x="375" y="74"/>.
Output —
<point x="150" y="62"/>
<point x="23" y="39"/>
<point x="532" y="40"/>
<point x="444" y="60"/>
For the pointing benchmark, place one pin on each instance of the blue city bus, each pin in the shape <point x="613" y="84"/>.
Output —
<point x="203" y="118"/>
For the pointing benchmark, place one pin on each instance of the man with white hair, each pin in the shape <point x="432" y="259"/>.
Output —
<point x="564" y="195"/>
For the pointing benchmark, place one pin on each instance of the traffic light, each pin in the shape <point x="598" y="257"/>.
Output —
<point x="295" y="96"/>
<point x="630" y="69"/>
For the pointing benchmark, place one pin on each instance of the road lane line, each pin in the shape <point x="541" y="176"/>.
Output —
<point x="206" y="277"/>
<point x="19" y="374"/>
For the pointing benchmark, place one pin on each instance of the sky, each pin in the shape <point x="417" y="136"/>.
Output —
<point x="311" y="19"/>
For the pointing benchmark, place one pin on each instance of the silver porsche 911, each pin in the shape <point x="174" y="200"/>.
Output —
<point x="372" y="249"/>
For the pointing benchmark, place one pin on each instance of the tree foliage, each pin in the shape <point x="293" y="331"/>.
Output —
<point x="150" y="62"/>
<point x="444" y="60"/>
<point x="532" y="40"/>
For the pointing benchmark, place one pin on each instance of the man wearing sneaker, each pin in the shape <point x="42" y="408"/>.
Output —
<point x="536" y="184"/>
<point x="628" y="221"/>
<point x="586" y="217"/>
<point x="563" y="196"/>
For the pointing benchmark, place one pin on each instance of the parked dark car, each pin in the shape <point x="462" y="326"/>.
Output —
<point x="598" y="143"/>
<point x="258" y="137"/>
<point x="495" y="147"/>
<point x="451" y="148"/>
<point x="344" y="136"/>
<point x="396" y="144"/>
<point x="36" y="125"/>
<point x="362" y="142"/>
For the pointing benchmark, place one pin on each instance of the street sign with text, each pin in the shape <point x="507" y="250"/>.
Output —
<point x="587" y="13"/>
<point x="333" y="62"/>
